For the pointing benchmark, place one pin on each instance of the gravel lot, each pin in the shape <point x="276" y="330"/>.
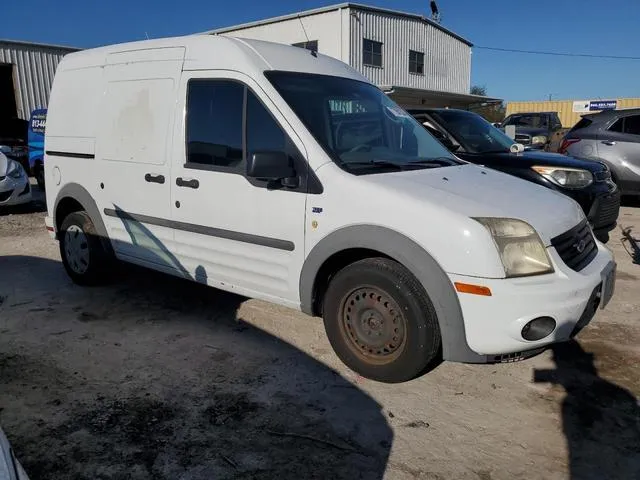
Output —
<point x="156" y="378"/>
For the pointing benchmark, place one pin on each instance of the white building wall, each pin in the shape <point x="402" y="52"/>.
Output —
<point x="447" y="60"/>
<point x="324" y="27"/>
<point x="340" y="33"/>
<point x="33" y="69"/>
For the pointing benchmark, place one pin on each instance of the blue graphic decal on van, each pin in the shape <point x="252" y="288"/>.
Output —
<point x="36" y="136"/>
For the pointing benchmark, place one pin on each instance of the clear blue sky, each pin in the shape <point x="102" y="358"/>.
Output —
<point x="579" y="26"/>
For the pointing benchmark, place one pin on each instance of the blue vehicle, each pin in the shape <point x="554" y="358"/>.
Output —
<point x="36" y="144"/>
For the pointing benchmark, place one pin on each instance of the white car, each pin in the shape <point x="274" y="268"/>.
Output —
<point x="14" y="183"/>
<point x="285" y="175"/>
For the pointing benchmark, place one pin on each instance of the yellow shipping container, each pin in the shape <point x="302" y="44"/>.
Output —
<point x="567" y="108"/>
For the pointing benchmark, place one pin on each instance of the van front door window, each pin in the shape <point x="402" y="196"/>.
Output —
<point x="214" y="123"/>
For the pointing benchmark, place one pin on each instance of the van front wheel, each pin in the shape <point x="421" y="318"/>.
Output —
<point x="380" y="321"/>
<point x="83" y="255"/>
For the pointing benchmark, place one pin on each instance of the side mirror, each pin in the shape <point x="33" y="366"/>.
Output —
<point x="271" y="167"/>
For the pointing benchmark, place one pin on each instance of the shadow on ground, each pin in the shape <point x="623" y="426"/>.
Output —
<point x="600" y="420"/>
<point x="189" y="391"/>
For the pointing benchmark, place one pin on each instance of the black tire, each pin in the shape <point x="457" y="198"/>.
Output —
<point x="38" y="173"/>
<point x="376" y="301"/>
<point x="88" y="268"/>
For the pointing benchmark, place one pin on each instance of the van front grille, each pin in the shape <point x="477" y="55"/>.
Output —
<point x="576" y="247"/>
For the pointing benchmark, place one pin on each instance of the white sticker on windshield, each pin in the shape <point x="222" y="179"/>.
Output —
<point x="397" y="112"/>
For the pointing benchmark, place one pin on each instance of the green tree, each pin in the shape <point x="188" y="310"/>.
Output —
<point x="479" y="90"/>
<point x="493" y="112"/>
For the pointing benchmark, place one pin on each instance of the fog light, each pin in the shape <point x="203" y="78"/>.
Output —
<point x="538" y="328"/>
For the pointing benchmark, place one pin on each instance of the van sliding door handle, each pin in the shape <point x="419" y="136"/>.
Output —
<point x="154" y="178"/>
<point x="608" y="142"/>
<point x="191" y="183"/>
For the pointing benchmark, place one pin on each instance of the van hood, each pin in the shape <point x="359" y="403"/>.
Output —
<point x="475" y="191"/>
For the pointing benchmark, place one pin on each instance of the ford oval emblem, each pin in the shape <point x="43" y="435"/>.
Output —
<point x="580" y="246"/>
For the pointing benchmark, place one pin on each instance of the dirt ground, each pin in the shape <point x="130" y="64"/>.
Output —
<point x="152" y="377"/>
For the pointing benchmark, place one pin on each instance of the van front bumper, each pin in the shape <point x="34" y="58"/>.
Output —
<point x="494" y="324"/>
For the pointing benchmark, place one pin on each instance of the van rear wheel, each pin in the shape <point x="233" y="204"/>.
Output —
<point x="380" y="321"/>
<point x="81" y="250"/>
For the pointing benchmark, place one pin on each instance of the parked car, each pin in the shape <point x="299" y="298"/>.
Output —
<point x="612" y="137"/>
<point x="534" y="130"/>
<point x="475" y="140"/>
<point x="282" y="174"/>
<point x="14" y="182"/>
<point x="10" y="468"/>
<point x="13" y="140"/>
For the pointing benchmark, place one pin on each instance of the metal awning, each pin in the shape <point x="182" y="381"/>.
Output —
<point x="415" y="98"/>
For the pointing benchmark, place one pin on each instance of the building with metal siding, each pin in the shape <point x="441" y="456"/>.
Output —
<point x="341" y="30"/>
<point x="26" y="75"/>
<point x="569" y="115"/>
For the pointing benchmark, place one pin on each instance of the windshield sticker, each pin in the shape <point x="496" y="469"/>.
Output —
<point x="397" y="112"/>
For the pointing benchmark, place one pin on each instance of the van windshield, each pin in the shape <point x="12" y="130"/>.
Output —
<point x="358" y="125"/>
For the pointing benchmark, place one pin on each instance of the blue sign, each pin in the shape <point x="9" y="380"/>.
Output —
<point x="36" y="136"/>
<point x="597" y="105"/>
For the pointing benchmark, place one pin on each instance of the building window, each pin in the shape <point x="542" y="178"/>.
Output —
<point x="310" y="45"/>
<point x="416" y="62"/>
<point x="371" y="53"/>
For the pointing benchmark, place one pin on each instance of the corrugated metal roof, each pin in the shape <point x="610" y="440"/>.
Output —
<point x="37" y="45"/>
<point x="416" y="98"/>
<point x="355" y="6"/>
<point x="34" y="67"/>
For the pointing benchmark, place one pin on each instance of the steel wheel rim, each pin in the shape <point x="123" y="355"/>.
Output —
<point x="76" y="249"/>
<point x="373" y="324"/>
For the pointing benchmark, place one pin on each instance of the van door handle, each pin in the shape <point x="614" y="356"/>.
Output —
<point x="191" y="183"/>
<point x="154" y="178"/>
<point x="608" y="142"/>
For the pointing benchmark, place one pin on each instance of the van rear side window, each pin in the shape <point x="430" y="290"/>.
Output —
<point x="214" y="123"/>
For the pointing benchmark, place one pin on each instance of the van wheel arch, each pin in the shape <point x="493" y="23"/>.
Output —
<point x="354" y="243"/>
<point x="75" y="198"/>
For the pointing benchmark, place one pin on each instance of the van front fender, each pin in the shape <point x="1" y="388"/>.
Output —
<point x="416" y="259"/>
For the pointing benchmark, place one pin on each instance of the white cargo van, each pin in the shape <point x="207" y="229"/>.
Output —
<point x="284" y="175"/>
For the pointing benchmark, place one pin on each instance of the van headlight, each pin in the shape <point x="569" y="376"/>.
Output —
<point x="539" y="140"/>
<point x="566" y="177"/>
<point x="15" y="169"/>
<point x="520" y="248"/>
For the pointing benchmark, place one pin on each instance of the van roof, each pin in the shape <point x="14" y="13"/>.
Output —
<point x="212" y="52"/>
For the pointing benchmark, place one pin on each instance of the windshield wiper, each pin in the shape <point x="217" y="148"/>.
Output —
<point x="371" y="163"/>
<point x="424" y="163"/>
<point x="448" y="161"/>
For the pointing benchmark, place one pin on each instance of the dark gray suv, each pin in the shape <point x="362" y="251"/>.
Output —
<point x="612" y="137"/>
